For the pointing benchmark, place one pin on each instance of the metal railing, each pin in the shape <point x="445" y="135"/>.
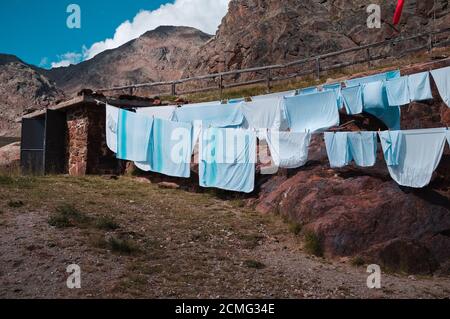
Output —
<point x="431" y="39"/>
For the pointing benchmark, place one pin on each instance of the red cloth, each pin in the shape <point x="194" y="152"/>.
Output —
<point x="398" y="11"/>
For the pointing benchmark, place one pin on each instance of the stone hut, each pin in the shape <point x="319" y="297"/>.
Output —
<point x="69" y="138"/>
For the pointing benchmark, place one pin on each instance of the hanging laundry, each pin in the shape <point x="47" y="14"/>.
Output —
<point x="392" y="74"/>
<point x="363" y="148"/>
<point x="419" y="156"/>
<point x="366" y="79"/>
<point x="419" y="86"/>
<point x="220" y="115"/>
<point x="448" y="136"/>
<point x="309" y="90"/>
<point x="201" y="104"/>
<point x="391" y="142"/>
<point x="287" y="149"/>
<point x="234" y="101"/>
<point x="398" y="11"/>
<point x="133" y="136"/>
<point x="160" y="112"/>
<point x="112" y="117"/>
<point x="375" y="102"/>
<point x="277" y="95"/>
<point x="442" y="79"/>
<point x="337" y="89"/>
<point x="337" y="149"/>
<point x="170" y="149"/>
<point x="265" y="113"/>
<point x="227" y="159"/>
<point x="397" y="91"/>
<point x="352" y="99"/>
<point x="311" y="112"/>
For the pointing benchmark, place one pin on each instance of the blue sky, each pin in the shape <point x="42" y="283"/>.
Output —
<point x="36" y="30"/>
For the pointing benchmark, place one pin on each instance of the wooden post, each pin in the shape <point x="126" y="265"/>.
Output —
<point x="369" y="63"/>
<point x="220" y="86"/>
<point x="131" y="91"/>
<point x="173" y="91"/>
<point x="268" y="82"/>
<point x="318" y="67"/>
<point x="430" y="42"/>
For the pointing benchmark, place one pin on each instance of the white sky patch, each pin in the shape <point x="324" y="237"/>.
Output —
<point x="67" y="59"/>
<point x="204" y="15"/>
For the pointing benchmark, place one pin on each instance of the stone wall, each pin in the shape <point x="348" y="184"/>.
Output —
<point x="87" y="151"/>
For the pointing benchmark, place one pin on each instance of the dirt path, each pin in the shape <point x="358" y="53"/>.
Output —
<point x="133" y="239"/>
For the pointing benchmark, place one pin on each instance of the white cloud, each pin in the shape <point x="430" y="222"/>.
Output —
<point x="44" y="62"/>
<point x="204" y="15"/>
<point x="67" y="59"/>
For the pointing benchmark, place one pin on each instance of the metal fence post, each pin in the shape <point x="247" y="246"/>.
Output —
<point x="318" y="67"/>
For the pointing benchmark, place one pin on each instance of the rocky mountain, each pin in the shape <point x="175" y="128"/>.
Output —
<point x="262" y="32"/>
<point x="22" y="90"/>
<point x="158" y="55"/>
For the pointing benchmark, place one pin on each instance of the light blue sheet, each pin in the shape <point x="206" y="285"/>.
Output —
<point x="263" y="114"/>
<point x="311" y="112"/>
<point x="277" y="95"/>
<point x="376" y="103"/>
<point x="337" y="89"/>
<point x="170" y="149"/>
<point x="374" y="78"/>
<point x="419" y="156"/>
<point x="308" y="90"/>
<point x="112" y="117"/>
<point x="352" y="98"/>
<point x="338" y="149"/>
<point x="234" y="101"/>
<point x="221" y="115"/>
<point x="419" y="86"/>
<point x="288" y="149"/>
<point x="397" y="91"/>
<point x="392" y="74"/>
<point x="133" y="136"/>
<point x="442" y="79"/>
<point x="363" y="148"/>
<point x="391" y="144"/>
<point x="448" y="136"/>
<point x="228" y="159"/>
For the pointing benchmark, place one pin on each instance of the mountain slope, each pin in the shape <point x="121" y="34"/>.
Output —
<point x="261" y="32"/>
<point x="22" y="90"/>
<point x="158" y="55"/>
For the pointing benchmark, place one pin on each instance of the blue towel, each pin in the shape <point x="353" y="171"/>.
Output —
<point x="363" y="148"/>
<point x="277" y="95"/>
<point x="170" y="149"/>
<point x="288" y="149"/>
<point x="112" y="117"/>
<point x="338" y="149"/>
<point x="374" y="78"/>
<point x="234" y="101"/>
<point x="228" y="159"/>
<point x="311" y="112"/>
<point x="337" y="89"/>
<point x="442" y="79"/>
<point x="352" y="98"/>
<point x="419" y="86"/>
<point x="308" y="90"/>
<point x="221" y="115"/>
<point x="133" y="136"/>
<point x="392" y="74"/>
<point x="376" y="103"/>
<point x="419" y="154"/>
<point x="391" y="142"/>
<point x="262" y="114"/>
<point x="397" y="91"/>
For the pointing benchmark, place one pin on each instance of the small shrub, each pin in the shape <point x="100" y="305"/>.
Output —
<point x="68" y="216"/>
<point x="6" y="180"/>
<point x="357" y="261"/>
<point x="313" y="244"/>
<point x="295" y="228"/>
<point x="122" y="246"/>
<point x="15" y="203"/>
<point x="250" y="263"/>
<point x="106" y="223"/>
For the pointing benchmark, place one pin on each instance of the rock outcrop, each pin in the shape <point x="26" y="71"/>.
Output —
<point x="263" y="32"/>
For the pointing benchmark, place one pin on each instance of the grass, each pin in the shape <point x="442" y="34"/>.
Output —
<point x="357" y="261"/>
<point x="68" y="216"/>
<point x="15" y="203"/>
<point x="250" y="263"/>
<point x="295" y="228"/>
<point x="106" y="223"/>
<point x="313" y="244"/>
<point x="122" y="246"/>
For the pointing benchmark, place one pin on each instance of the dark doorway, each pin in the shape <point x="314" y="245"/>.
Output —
<point x="55" y="142"/>
<point x="32" y="146"/>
